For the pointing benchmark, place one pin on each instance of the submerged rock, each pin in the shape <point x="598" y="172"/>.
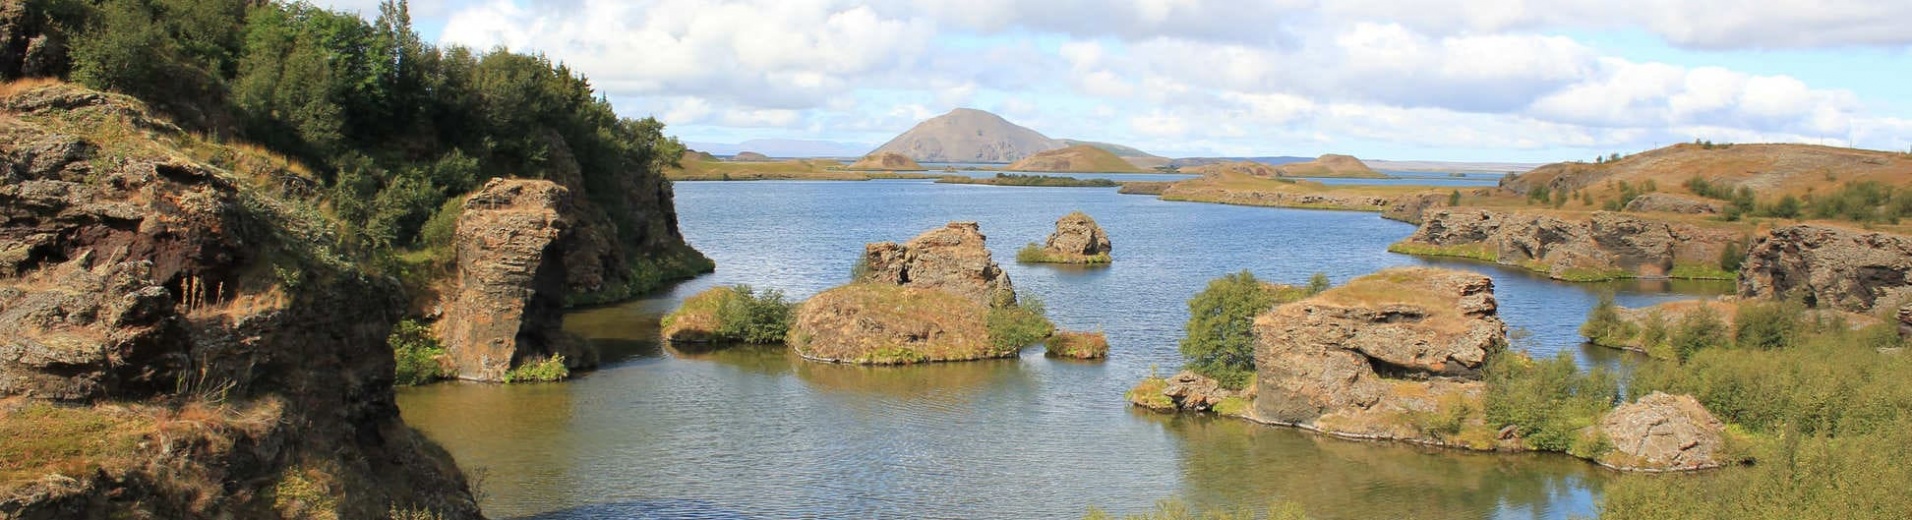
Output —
<point x="954" y="258"/>
<point x="507" y="304"/>
<point x="1830" y="267"/>
<point x="1387" y="343"/>
<point x="1663" y="432"/>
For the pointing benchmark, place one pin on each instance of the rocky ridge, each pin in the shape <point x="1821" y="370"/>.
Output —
<point x="1830" y="267"/>
<point x="1603" y="246"/>
<point x="141" y="287"/>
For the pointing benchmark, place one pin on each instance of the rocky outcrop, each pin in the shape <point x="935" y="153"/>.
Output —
<point x="953" y="258"/>
<point x="885" y="161"/>
<point x="1299" y="195"/>
<point x="1663" y="432"/>
<point x="1385" y="344"/>
<point x="506" y="305"/>
<point x="1077" y="240"/>
<point x="1602" y="246"/>
<point x="1830" y="267"/>
<point x="1412" y="208"/>
<point x="886" y="324"/>
<point x="1670" y="203"/>
<point x="625" y="241"/>
<point x="141" y="288"/>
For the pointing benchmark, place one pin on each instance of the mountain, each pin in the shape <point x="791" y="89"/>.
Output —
<point x="967" y="135"/>
<point x="1080" y="158"/>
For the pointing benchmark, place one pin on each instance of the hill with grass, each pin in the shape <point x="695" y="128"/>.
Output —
<point x="1080" y="158"/>
<point x="1780" y="180"/>
<point x="1331" y="165"/>
<point x="1133" y="155"/>
<point x="886" y="161"/>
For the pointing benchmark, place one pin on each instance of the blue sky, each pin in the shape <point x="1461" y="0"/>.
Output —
<point x="1484" y="80"/>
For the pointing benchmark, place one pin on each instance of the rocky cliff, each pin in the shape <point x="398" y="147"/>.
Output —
<point x="625" y="240"/>
<point x="1830" y="267"/>
<point x="506" y="305"/>
<point x="219" y="360"/>
<point x="1602" y="246"/>
<point x="954" y="258"/>
<point x="1355" y="357"/>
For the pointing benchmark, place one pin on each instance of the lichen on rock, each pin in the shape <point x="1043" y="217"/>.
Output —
<point x="1077" y="240"/>
<point x="1663" y="432"/>
<point x="953" y="258"/>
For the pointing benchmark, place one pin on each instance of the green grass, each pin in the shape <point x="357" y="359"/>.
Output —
<point x="1148" y="394"/>
<point x="1472" y="251"/>
<point x="1701" y="272"/>
<point x="731" y="314"/>
<point x="1012" y="328"/>
<point x="1233" y="406"/>
<point x="39" y="438"/>
<point x="1581" y="274"/>
<point x="1077" y="345"/>
<point x="543" y="370"/>
<point x="418" y="354"/>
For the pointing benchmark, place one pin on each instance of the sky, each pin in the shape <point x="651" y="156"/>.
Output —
<point x="1462" y="80"/>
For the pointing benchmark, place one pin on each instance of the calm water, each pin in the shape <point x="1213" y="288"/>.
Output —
<point x="757" y="433"/>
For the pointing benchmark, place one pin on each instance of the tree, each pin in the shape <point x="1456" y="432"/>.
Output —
<point x="1319" y="283"/>
<point x="1221" y="337"/>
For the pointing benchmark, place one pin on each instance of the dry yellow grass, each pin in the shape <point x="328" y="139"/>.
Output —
<point x="890" y="324"/>
<point x="40" y="439"/>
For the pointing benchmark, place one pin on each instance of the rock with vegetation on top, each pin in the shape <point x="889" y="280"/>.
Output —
<point x="1601" y="246"/>
<point x="1330" y="165"/>
<point x="1077" y="345"/>
<point x="885" y="161"/>
<point x="1389" y="343"/>
<point x="888" y="324"/>
<point x="749" y="157"/>
<point x="1248" y="168"/>
<point x="1671" y="203"/>
<point x="1079" y="159"/>
<point x="506" y="307"/>
<point x="1663" y="432"/>
<point x="1077" y="240"/>
<point x="1830" y="267"/>
<point x="215" y="356"/>
<point x="952" y="258"/>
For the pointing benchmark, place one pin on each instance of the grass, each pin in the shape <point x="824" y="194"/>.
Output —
<point x="1078" y="158"/>
<point x="1233" y="406"/>
<point x="1034" y="253"/>
<point x="872" y="323"/>
<point x="730" y="314"/>
<point x="1701" y="272"/>
<point x="1010" y="179"/>
<point x="1148" y="393"/>
<point x="1474" y="251"/>
<point x="1014" y="327"/>
<point x="39" y="438"/>
<point x="1077" y="345"/>
<point x="539" y="370"/>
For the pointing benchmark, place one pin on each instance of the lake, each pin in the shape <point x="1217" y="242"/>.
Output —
<point x="758" y="433"/>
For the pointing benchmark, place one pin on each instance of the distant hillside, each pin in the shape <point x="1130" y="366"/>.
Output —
<point x="749" y="157"/>
<point x="1449" y="166"/>
<point x="1133" y="155"/>
<point x="888" y="161"/>
<point x="1770" y="170"/>
<point x="969" y="136"/>
<point x="786" y="148"/>
<point x="1251" y="169"/>
<point x="1272" y="161"/>
<point x="1332" y="165"/>
<point x="1080" y="158"/>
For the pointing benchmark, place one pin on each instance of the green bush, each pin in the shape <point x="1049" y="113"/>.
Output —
<point x="1016" y="326"/>
<point x="540" y="370"/>
<point x="1221" y="339"/>
<point x="1699" y="329"/>
<point x="1604" y="326"/>
<point x="1318" y="283"/>
<point x="417" y="352"/>
<point x="1549" y="401"/>
<point x="1768" y="325"/>
<point x="753" y="317"/>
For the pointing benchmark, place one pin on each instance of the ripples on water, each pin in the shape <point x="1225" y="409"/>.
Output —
<point x="757" y="433"/>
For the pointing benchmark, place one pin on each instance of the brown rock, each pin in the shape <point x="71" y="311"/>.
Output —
<point x="1348" y="349"/>
<point x="1670" y="203"/>
<point x="1831" y="267"/>
<point x="506" y="307"/>
<point x="1195" y="392"/>
<point x="883" y="324"/>
<point x="953" y="258"/>
<point x="77" y="333"/>
<point x="1604" y="245"/>
<point x="1077" y="238"/>
<point x="1663" y="432"/>
<point x="625" y="239"/>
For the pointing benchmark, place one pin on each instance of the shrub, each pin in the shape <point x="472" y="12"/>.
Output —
<point x="1454" y="198"/>
<point x="1016" y="326"/>
<point x="1698" y="330"/>
<point x="1077" y="345"/>
<point x="1221" y="341"/>
<point x="417" y="353"/>
<point x="753" y="317"/>
<point x="1548" y="401"/>
<point x="1031" y="253"/>
<point x="540" y="370"/>
<point x="1604" y="325"/>
<point x="1768" y="325"/>
<point x="1318" y="283"/>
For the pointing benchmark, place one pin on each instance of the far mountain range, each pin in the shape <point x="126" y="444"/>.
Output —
<point x="967" y="135"/>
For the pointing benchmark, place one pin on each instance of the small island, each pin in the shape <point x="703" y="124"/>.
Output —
<point x="1077" y="240"/>
<point x="885" y="161"/>
<point x="1080" y="158"/>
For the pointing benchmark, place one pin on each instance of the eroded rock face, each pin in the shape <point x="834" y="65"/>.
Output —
<point x="1602" y="246"/>
<point x="1831" y="267"/>
<point x="1077" y="235"/>
<point x="138" y="278"/>
<point x="1195" y="392"/>
<point x="506" y="307"/>
<point x="1663" y="432"/>
<point x="882" y="324"/>
<point x="1670" y="203"/>
<point x="625" y="239"/>
<point x="953" y="258"/>
<point x="1346" y="351"/>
